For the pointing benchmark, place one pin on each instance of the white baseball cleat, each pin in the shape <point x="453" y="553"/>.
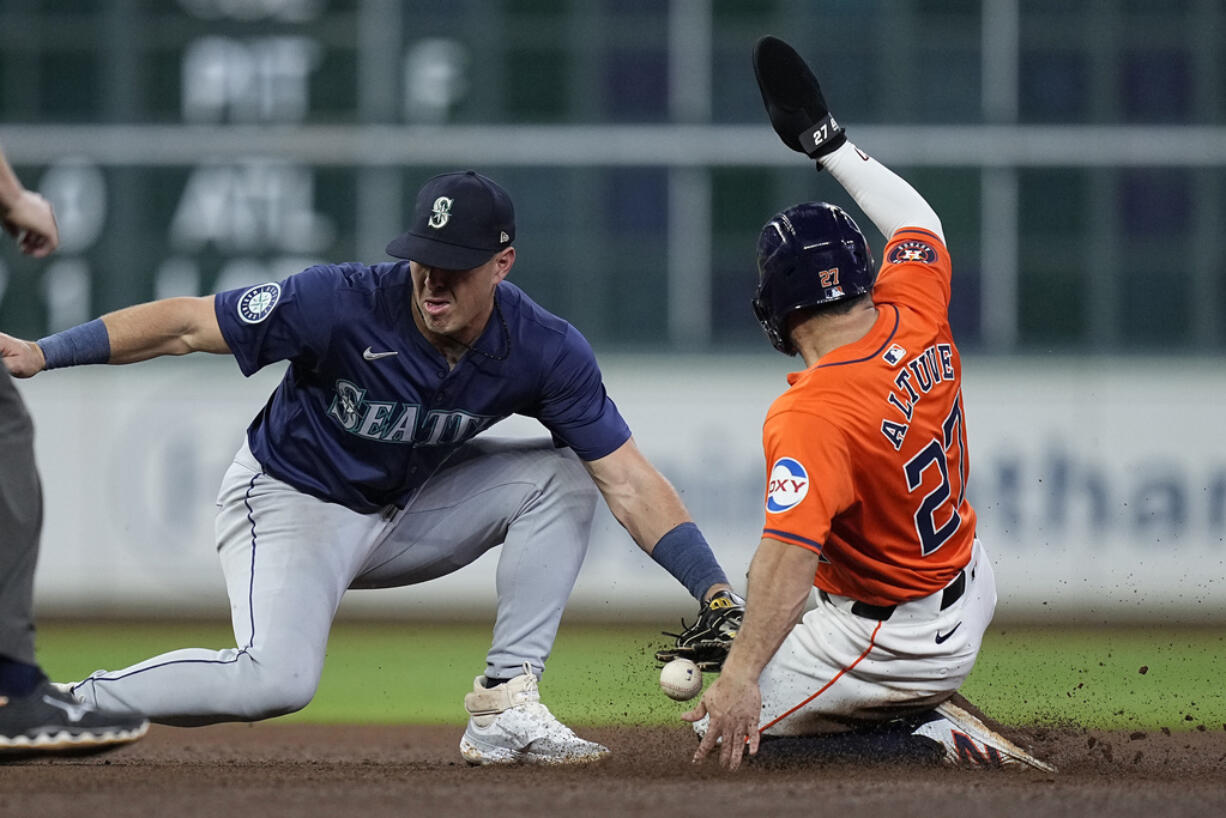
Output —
<point x="971" y="744"/>
<point x="508" y="725"/>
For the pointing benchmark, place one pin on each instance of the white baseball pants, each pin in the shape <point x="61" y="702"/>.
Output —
<point x="289" y="557"/>
<point x="837" y="669"/>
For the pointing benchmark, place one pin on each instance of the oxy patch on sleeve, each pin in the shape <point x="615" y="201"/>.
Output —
<point x="789" y="483"/>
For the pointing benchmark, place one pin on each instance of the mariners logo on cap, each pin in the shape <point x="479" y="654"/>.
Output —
<point x="441" y="210"/>
<point x="256" y="304"/>
<point x="789" y="483"/>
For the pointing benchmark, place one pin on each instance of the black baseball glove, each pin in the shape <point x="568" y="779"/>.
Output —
<point x="706" y="642"/>
<point x="794" y="100"/>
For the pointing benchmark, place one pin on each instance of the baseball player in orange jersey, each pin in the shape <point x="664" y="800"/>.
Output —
<point x="867" y="466"/>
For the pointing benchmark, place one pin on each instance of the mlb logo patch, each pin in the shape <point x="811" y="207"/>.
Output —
<point x="256" y="304"/>
<point x="894" y="355"/>
<point x="789" y="483"/>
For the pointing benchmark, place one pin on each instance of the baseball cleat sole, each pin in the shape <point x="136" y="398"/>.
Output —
<point x="69" y="742"/>
<point x="484" y="755"/>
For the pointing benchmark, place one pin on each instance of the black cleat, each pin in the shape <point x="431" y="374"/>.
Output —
<point x="50" y="721"/>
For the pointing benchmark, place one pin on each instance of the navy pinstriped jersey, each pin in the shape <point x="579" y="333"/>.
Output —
<point x="368" y="409"/>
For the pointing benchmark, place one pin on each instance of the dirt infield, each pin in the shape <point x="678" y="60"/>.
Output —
<point x="273" y="769"/>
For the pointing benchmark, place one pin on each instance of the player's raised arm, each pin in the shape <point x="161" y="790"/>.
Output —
<point x="172" y="326"/>
<point x="800" y="115"/>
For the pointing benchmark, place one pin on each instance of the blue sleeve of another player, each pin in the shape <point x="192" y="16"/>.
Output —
<point x="574" y="404"/>
<point x="279" y="321"/>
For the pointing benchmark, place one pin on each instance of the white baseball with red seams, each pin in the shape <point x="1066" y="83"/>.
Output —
<point x="681" y="680"/>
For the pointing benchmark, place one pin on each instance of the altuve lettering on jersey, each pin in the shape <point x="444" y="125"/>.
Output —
<point x="915" y="379"/>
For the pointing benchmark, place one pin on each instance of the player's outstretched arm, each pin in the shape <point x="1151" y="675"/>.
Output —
<point x="649" y="508"/>
<point x="172" y="326"/>
<point x="21" y="358"/>
<point x="799" y="113"/>
<point x="641" y="498"/>
<point x="780" y="579"/>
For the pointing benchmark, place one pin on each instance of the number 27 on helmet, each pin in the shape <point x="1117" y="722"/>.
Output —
<point x="809" y="255"/>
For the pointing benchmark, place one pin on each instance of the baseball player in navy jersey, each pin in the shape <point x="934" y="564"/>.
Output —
<point x="35" y="717"/>
<point x="364" y="469"/>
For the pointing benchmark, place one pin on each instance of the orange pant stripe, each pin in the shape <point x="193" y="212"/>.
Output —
<point x="871" y="642"/>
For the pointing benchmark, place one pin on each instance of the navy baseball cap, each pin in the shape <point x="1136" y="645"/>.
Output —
<point x="460" y="221"/>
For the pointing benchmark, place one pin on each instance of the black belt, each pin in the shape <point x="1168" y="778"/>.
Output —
<point x="953" y="592"/>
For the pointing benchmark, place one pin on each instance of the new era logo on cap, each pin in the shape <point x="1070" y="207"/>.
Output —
<point x="460" y="220"/>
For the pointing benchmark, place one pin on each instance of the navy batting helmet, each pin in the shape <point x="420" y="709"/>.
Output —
<point x="808" y="255"/>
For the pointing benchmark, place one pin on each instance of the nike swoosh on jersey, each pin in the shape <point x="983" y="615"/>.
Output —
<point x="374" y="356"/>
<point x="941" y="637"/>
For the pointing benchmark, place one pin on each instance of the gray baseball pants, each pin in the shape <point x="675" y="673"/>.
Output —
<point x="289" y="557"/>
<point x="21" y="519"/>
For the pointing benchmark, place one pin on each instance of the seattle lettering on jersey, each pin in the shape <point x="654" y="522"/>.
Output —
<point x="395" y="422"/>
<point x="915" y="379"/>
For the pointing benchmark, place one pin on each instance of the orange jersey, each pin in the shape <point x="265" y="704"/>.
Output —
<point x="866" y="452"/>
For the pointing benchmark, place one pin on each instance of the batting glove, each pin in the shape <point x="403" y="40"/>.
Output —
<point x="794" y="100"/>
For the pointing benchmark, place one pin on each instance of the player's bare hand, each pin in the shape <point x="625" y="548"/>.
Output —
<point x="734" y="706"/>
<point x="23" y="359"/>
<point x="31" y="220"/>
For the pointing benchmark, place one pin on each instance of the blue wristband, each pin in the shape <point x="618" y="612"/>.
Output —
<point x="88" y="343"/>
<point x="684" y="553"/>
